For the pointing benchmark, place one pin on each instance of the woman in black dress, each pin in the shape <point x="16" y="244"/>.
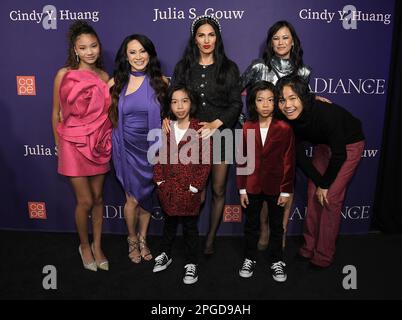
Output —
<point x="206" y="70"/>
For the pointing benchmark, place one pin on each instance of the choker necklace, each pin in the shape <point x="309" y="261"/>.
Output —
<point x="137" y="73"/>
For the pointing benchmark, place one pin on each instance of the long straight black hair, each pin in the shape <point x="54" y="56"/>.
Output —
<point x="226" y="70"/>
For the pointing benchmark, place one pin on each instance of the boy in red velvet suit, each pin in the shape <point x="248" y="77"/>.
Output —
<point x="272" y="179"/>
<point x="181" y="174"/>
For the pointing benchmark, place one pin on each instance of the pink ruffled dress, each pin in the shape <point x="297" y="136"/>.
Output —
<point x="85" y="131"/>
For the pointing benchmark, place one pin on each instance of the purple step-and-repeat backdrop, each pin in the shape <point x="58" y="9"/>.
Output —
<point x="347" y="43"/>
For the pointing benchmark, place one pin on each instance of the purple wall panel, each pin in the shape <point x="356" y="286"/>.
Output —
<point x="350" y="67"/>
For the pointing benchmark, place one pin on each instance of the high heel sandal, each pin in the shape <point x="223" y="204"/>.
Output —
<point x="144" y="249"/>
<point x="103" y="265"/>
<point x="91" y="266"/>
<point x="133" y="245"/>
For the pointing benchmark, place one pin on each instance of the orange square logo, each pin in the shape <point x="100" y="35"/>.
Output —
<point x="37" y="210"/>
<point x="26" y="86"/>
<point x="232" y="213"/>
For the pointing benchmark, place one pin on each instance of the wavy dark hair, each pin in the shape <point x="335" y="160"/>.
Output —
<point x="225" y="71"/>
<point x="252" y="95"/>
<point x="76" y="29"/>
<point x="167" y="112"/>
<point x="296" y="54"/>
<point x="300" y="87"/>
<point x="122" y="68"/>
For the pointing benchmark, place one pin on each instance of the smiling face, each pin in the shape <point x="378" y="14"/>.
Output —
<point x="290" y="104"/>
<point x="87" y="47"/>
<point x="282" y="42"/>
<point x="205" y="39"/>
<point x="137" y="56"/>
<point x="180" y="104"/>
<point x="264" y="103"/>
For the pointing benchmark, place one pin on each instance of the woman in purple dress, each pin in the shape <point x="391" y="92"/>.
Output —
<point x="138" y="89"/>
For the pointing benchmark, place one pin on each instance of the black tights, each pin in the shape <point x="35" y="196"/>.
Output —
<point x="219" y="179"/>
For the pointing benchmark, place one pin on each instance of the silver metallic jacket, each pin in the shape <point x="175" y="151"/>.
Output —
<point x="258" y="71"/>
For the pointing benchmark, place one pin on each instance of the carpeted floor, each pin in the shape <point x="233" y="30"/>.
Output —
<point x="377" y="258"/>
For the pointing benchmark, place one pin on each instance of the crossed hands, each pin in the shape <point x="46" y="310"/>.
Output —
<point x="207" y="129"/>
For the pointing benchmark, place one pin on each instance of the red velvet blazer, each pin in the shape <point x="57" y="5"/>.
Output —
<point x="174" y="194"/>
<point x="274" y="162"/>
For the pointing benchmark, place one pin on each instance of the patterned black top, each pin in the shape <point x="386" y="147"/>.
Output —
<point x="216" y="102"/>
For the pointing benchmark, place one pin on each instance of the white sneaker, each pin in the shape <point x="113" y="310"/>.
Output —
<point x="161" y="262"/>
<point x="190" y="274"/>
<point x="278" y="271"/>
<point x="247" y="269"/>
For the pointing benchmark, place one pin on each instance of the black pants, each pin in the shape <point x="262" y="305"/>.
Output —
<point x="252" y="226"/>
<point x="190" y="234"/>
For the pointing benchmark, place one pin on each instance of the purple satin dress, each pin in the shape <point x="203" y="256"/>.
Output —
<point x="139" y="112"/>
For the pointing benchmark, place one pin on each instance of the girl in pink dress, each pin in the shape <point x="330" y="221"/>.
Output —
<point x="82" y="132"/>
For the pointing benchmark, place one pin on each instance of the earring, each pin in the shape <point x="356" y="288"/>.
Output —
<point x="77" y="58"/>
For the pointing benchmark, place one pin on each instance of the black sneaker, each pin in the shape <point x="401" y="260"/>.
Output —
<point x="161" y="262"/>
<point x="247" y="269"/>
<point x="191" y="274"/>
<point x="278" y="271"/>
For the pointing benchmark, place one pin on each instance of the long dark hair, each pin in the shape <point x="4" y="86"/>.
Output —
<point x="122" y="68"/>
<point x="167" y="111"/>
<point x="252" y="94"/>
<point x="296" y="54"/>
<point x="225" y="71"/>
<point x="76" y="29"/>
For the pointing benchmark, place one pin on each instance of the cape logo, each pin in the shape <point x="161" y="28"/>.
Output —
<point x="37" y="210"/>
<point x="232" y="213"/>
<point x="26" y="86"/>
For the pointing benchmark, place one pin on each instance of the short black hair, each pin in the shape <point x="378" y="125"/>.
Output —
<point x="252" y="94"/>
<point x="299" y="86"/>
<point x="193" y="99"/>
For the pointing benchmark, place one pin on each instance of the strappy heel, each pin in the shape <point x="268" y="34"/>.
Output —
<point x="133" y="246"/>
<point x="144" y="249"/>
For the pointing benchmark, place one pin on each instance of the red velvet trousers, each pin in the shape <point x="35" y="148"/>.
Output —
<point x="321" y="226"/>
